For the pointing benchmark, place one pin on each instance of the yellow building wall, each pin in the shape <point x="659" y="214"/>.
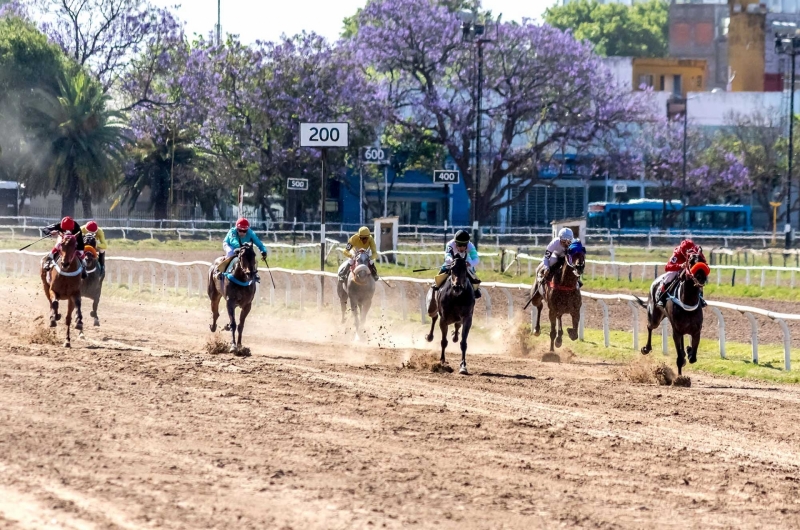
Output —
<point x="746" y="47"/>
<point x="692" y="71"/>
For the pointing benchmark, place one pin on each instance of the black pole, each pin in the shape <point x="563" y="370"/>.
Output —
<point x="322" y="230"/>
<point x="791" y="155"/>
<point x="684" y="198"/>
<point x="479" y="120"/>
<point x="219" y="23"/>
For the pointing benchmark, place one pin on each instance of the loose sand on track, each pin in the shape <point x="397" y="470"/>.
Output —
<point x="137" y="426"/>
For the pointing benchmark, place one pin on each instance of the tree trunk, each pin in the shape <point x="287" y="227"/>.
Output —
<point x="86" y="202"/>
<point x="69" y="198"/>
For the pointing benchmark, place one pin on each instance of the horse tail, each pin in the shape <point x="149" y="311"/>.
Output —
<point x="641" y="302"/>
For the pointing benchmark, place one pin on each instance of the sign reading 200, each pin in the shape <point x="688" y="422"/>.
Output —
<point x="324" y="135"/>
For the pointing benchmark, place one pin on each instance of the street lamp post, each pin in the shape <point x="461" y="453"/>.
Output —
<point x="789" y="44"/>
<point x="472" y="31"/>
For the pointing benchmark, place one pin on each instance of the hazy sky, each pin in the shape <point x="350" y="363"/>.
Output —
<point x="267" y="20"/>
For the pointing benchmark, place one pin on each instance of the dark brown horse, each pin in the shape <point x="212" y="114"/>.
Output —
<point x="455" y="303"/>
<point x="92" y="286"/>
<point x="63" y="282"/>
<point x="359" y="288"/>
<point x="682" y="309"/>
<point x="238" y="288"/>
<point x="563" y="296"/>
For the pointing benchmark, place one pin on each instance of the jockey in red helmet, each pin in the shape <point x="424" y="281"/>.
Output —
<point x="674" y="266"/>
<point x="66" y="226"/>
<point x="237" y="236"/>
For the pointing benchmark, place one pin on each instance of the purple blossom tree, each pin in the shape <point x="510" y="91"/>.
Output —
<point x="544" y="91"/>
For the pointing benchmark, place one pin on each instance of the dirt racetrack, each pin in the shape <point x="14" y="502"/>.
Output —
<point x="138" y="427"/>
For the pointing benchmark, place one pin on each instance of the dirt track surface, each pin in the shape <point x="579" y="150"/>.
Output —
<point x="137" y="427"/>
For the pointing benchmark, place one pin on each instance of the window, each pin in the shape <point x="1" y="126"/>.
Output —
<point x="645" y="80"/>
<point x="677" y="89"/>
<point x="661" y="84"/>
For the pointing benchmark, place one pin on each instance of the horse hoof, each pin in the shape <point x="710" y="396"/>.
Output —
<point x="58" y="316"/>
<point x="463" y="370"/>
<point x="536" y="333"/>
<point x="646" y="350"/>
<point x="429" y="338"/>
<point x="213" y="328"/>
<point x="227" y="327"/>
<point x="96" y="322"/>
<point x="52" y="322"/>
<point x="233" y="348"/>
<point x="692" y="355"/>
<point x="81" y="335"/>
<point x="67" y="344"/>
<point x="558" y="342"/>
<point x="573" y="334"/>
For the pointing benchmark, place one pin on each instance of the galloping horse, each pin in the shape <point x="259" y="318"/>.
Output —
<point x="359" y="288"/>
<point x="455" y="302"/>
<point x="63" y="282"/>
<point x="562" y="296"/>
<point x="682" y="309"/>
<point x="92" y="286"/>
<point x="238" y="288"/>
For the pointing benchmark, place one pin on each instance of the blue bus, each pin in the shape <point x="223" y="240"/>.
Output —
<point x="643" y="215"/>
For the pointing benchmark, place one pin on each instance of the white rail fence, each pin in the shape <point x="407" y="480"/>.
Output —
<point x="189" y="278"/>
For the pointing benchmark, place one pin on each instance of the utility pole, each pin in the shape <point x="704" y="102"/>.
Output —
<point x="219" y="23"/>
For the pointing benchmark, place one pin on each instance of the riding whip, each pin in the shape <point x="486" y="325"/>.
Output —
<point x="422" y="270"/>
<point x="387" y="283"/>
<point x="26" y="246"/>
<point x="270" y="273"/>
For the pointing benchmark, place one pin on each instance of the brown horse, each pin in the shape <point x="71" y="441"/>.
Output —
<point x="563" y="296"/>
<point x="682" y="309"/>
<point x="63" y="282"/>
<point x="238" y="288"/>
<point x="359" y="288"/>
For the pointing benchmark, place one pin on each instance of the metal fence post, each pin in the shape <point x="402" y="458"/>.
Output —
<point x="635" y="314"/>
<point x="787" y="345"/>
<point x="664" y="337"/>
<point x="753" y="335"/>
<point x="604" y="307"/>
<point x="581" y="322"/>
<point x="721" y="324"/>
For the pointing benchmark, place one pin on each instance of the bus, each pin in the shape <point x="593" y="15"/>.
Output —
<point x="644" y="215"/>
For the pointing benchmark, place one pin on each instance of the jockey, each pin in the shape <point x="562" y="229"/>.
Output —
<point x="66" y="226"/>
<point x="555" y="250"/>
<point x="362" y="240"/>
<point x="461" y="246"/>
<point x="100" y="239"/>
<point x="237" y="236"/>
<point x="674" y="266"/>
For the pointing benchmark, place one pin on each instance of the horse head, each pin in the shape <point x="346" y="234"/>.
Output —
<point x="90" y="240"/>
<point x="697" y="271"/>
<point x="458" y="274"/>
<point x="247" y="259"/>
<point x="69" y="245"/>
<point x="361" y="266"/>
<point x="577" y="262"/>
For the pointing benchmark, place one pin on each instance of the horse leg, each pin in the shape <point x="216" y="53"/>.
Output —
<point x="68" y="321"/>
<point x="443" y="329"/>
<point x="560" y="333"/>
<point x="78" y="314"/>
<point x="53" y="311"/>
<point x="242" y="316"/>
<point x="455" y="331"/>
<point x="93" y="314"/>
<point x="691" y="352"/>
<point x="215" y="298"/>
<point x="232" y="322"/>
<point x="342" y="300"/>
<point x="464" y="334"/>
<point x="553" y="329"/>
<point x="537" y="328"/>
<point x="429" y="336"/>
<point x="677" y="338"/>
<point x="576" y="318"/>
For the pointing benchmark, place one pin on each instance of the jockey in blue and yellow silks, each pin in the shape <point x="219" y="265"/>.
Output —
<point x="236" y="237"/>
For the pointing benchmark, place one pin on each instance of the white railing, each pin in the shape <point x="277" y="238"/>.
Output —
<point x="18" y="263"/>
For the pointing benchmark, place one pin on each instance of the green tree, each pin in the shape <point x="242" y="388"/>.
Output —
<point x="639" y="30"/>
<point x="84" y="142"/>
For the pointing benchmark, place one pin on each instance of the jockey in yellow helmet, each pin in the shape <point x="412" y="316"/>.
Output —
<point x="362" y="240"/>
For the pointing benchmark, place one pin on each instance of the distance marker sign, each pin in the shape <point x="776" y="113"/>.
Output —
<point x="446" y="176"/>
<point x="297" y="184"/>
<point x="324" y="135"/>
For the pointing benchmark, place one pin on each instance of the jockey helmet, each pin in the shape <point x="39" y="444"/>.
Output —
<point x="242" y="224"/>
<point x="565" y="234"/>
<point x="687" y="245"/>
<point x="67" y="224"/>
<point x="91" y="226"/>
<point x="363" y="232"/>
<point x="462" y="236"/>
<point x="576" y="247"/>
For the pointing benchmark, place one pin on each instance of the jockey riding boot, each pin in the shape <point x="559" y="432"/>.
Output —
<point x="101" y="259"/>
<point x="702" y="300"/>
<point x="478" y="292"/>
<point x="257" y="278"/>
<point x="661" y="295"/>
<point x="439" y="280"/>
<point x="84" y="274"/>
<point x="580" y="284"/>
<point x="374" y="271"/>
<point x="48" y="264"/>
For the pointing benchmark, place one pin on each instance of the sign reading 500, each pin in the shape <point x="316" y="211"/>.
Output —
<point x="324" y="135"/>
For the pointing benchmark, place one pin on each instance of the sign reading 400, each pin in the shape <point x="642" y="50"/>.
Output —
<point x="446" y="176"/>
<point x="324" y="135"/>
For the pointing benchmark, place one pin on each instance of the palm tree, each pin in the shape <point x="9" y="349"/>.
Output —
<point x="83" y="141"/>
